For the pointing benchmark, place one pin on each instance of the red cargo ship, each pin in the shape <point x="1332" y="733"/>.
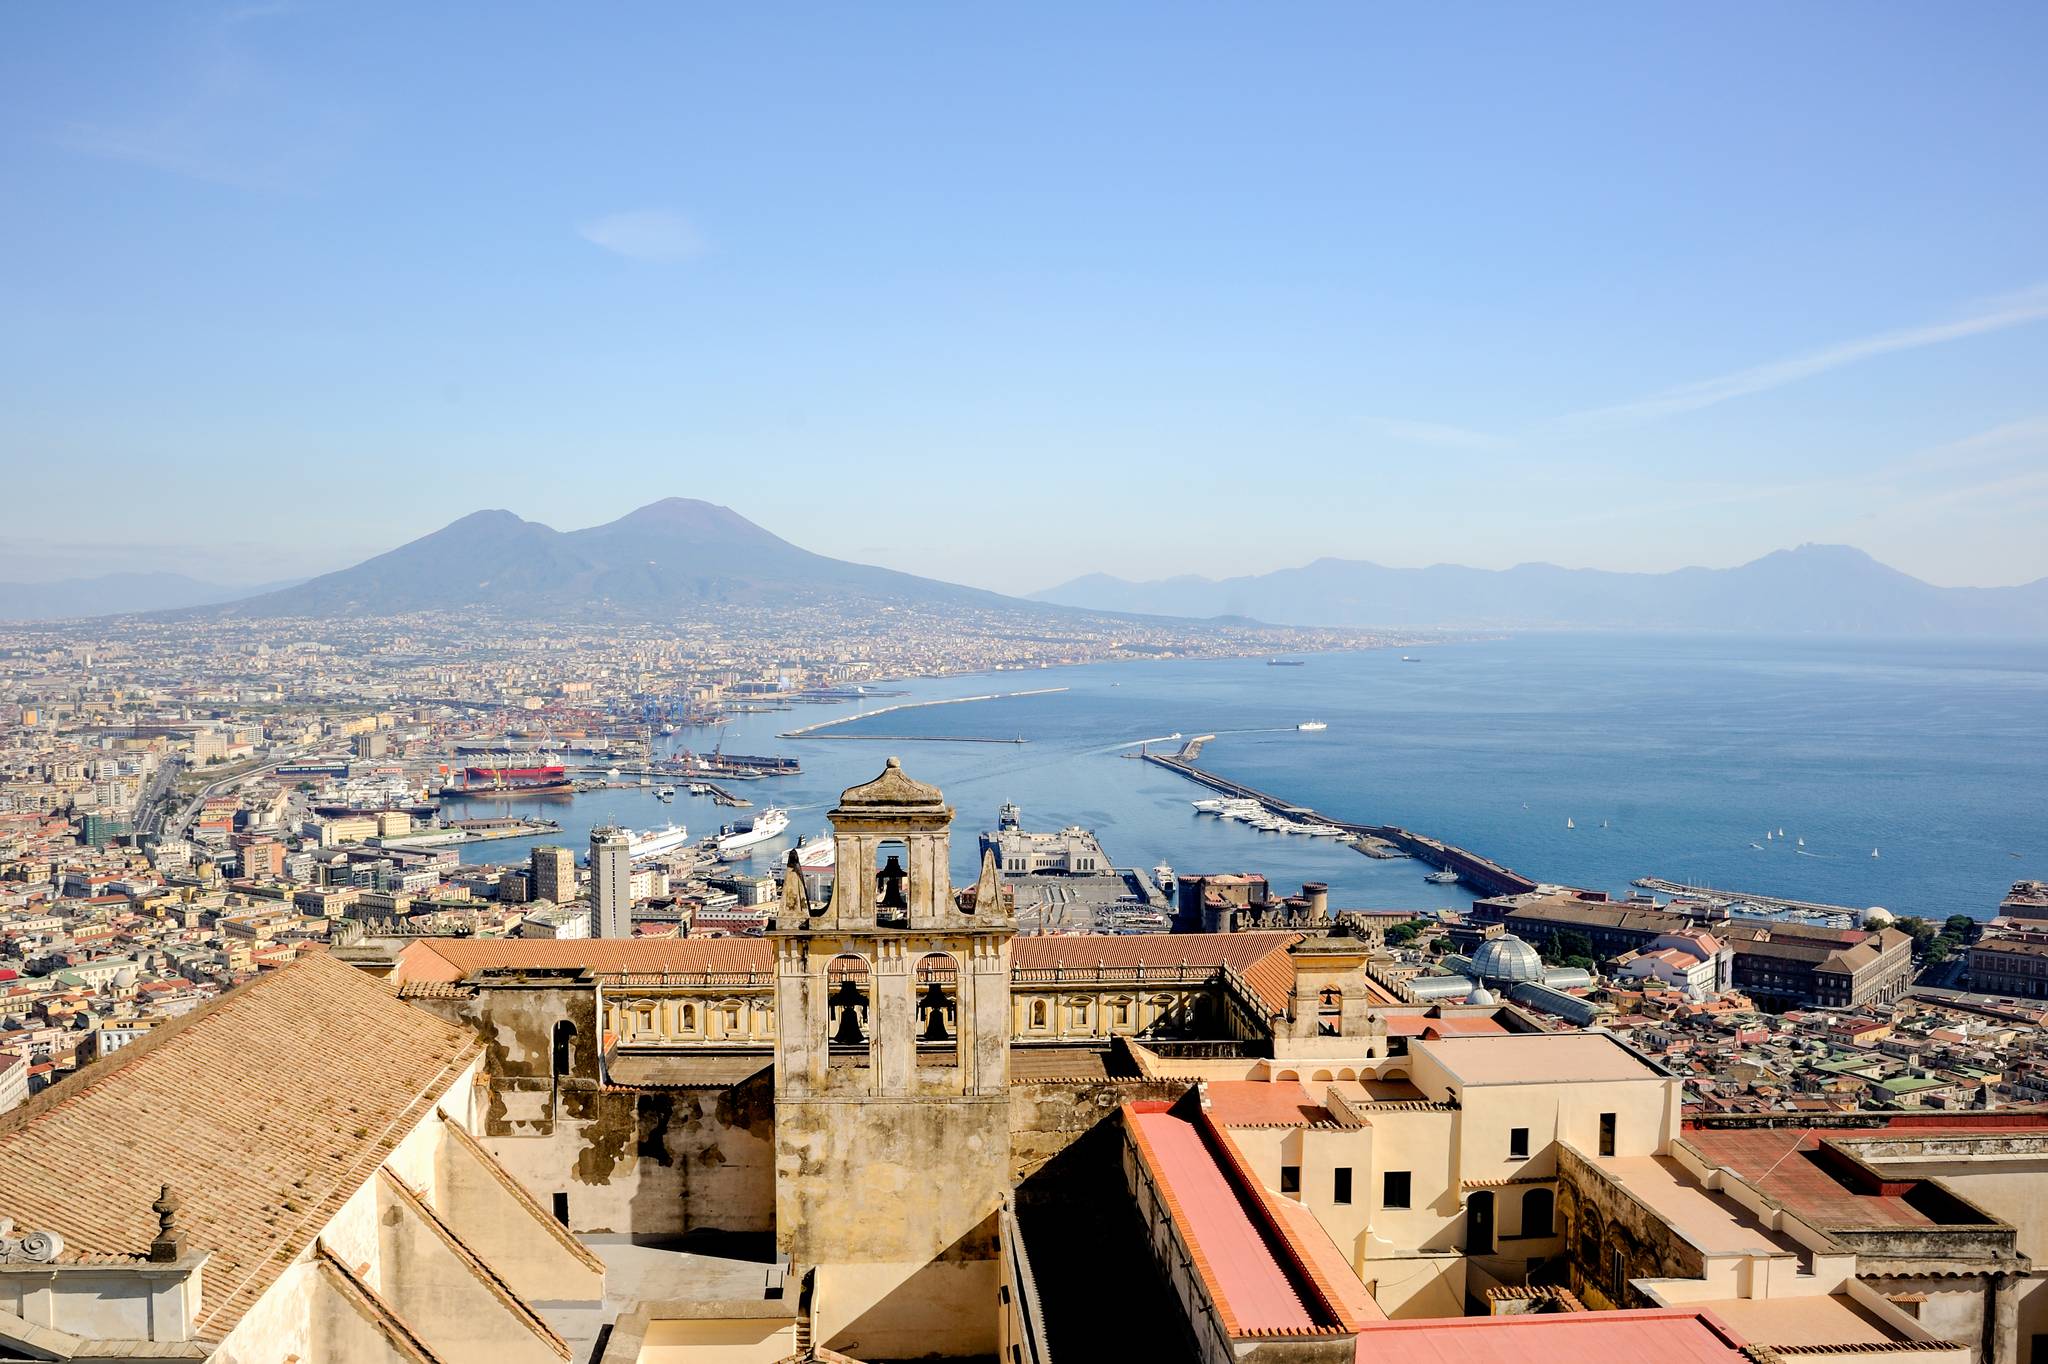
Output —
<point x="516" y="781"/>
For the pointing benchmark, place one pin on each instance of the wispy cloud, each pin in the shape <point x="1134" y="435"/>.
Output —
<point x="2013" y="310"/>
<point x="650" y="234"/>
<point x="222" y="113"/>
<point x="2026" y="438"/>
<point x="1440" y="435"/>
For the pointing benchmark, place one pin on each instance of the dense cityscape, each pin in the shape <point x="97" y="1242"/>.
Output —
<point x="1062" y="684"/>
<point x="196" y="811"/>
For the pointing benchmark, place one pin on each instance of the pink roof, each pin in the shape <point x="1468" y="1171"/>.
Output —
<point x="1669" y="1336"/>
<point x="1453" y="1025"/>
<point x="1252" y="1289"/>
<point x="1262" y="1103"/>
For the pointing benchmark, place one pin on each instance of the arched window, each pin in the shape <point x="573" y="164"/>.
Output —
<point x="846" y="1009"/>
<point x="936" y="987"/>
<point x="565" y="1035"/>
<point x="1479" y="1222"/>
<point x="1330" y="1012"/>
<point x="892" y="881"/>
<point x="1038" y="1013"/>
<point x="1321" y="1077"/>
<point x="688" y="1018"/>
<point x="1539" y="1208"/>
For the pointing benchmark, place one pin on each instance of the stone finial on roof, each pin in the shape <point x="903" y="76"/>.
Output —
<point x="796" y="900"/>
<point x="893" y="787"/>
<point x="988" y="888"/>
<point x="169" y="1244"/>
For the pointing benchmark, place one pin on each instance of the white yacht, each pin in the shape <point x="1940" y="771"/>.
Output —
<point x="1311" y="726"/>
<point x="1210" y="807"/>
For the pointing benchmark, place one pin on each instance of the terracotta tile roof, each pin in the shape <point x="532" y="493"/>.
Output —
<point x="1260" y="957"/>
<point x="453" y="959"/>
<point x="1788" y="1165"/>
<point x="1263" y="1103"/>
<point x="264" y="1110"/>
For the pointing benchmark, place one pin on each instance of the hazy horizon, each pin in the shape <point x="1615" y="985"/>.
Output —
<point x="1005" y="299"/>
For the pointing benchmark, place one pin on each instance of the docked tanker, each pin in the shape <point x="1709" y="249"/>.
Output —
<point x="512" y="781"/>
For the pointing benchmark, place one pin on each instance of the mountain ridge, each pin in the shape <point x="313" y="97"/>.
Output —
<point x="116" y="593"/>
<point x="1808" y="589"/>
<point x="668" y="555"/>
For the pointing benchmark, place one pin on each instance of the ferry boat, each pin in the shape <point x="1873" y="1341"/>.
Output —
<point x="655" y="842"/>
<point x="1311" y="726"/>
<point x="736" y="841"/>
<point x="1444" y="877"/>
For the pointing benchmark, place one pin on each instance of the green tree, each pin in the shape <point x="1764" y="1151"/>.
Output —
<point x="1400" y="935"/>
<point x="1567" y="947"/>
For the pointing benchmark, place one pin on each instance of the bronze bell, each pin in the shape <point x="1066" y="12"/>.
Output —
<point x="889" y="884"/>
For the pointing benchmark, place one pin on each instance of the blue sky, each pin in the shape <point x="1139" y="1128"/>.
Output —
<point x="1008" y="294"/>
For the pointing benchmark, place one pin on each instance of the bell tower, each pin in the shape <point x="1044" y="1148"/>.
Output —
<point x="892" y="1136"/>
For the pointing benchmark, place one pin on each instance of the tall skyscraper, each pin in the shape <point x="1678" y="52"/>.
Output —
<point x="553" y="874"/>
<point x="611" y="875"/>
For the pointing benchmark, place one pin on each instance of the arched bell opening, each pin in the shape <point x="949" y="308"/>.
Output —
<point x="937" y="985"/>
<point x="849" y="1015"/>
<point x="892" y="883"/>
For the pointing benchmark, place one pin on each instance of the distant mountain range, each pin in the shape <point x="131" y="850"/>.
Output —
<point x="666" y="557"/>
<point x="113" y="593"/>
<point x="678" y="555"/>
<point x="1813" y="589"/>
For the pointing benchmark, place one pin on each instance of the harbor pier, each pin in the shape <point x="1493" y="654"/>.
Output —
<point x="1482" y="874"/>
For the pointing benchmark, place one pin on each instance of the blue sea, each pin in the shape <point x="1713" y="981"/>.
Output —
<point x="1671" y="756"/>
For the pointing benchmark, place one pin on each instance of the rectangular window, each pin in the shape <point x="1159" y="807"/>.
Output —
<point x="1290" y="1179"/>
<point x="562" y="1208"/>
<point x="1394" y="1189"/>
<point x="1518" y="1143"/>
<point x="1343" y="1190"/>
<point x="1607" y="1134"/>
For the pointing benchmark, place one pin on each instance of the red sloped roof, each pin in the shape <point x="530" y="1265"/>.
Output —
<point x="1250" y="1286"/>
<point x="1668" y="1335"/>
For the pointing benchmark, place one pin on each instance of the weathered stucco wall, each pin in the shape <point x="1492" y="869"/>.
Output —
<point x="640" y="1161"/>
<point x="1599" y="1219"/>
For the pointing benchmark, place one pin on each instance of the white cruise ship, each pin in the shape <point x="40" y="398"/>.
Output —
<point x="815" y="852"/>
<point x="738" y="840"/>
<point x="655" y="842"/>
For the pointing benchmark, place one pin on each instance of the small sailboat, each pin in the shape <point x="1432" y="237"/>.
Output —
<point x="1781" y="833"/>
<point x="1873" y="852"/>
<point x="1568" y="823"/>
<point x="1801" y="843"/>
<point x="1767" y="835"/>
